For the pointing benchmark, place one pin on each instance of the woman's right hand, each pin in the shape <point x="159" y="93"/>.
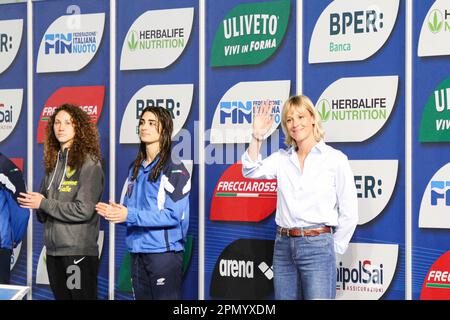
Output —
<point x="262" y="119"/>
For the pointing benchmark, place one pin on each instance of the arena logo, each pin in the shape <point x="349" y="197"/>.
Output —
<point x="433" y="39"/>
<point x="240" y="199"/>
<point x="10" y="39"/>
<point x="435" y="205"/>
<point x="10" y="109"/>
<point x="243" y="270"/>
<point x="363" y="104"/>
<point x="41" y="270"/>
<point x="365" y="271"/>
<point x="65" y="47"/>
<point x="250" y="33"/>
<point x="89" y="99"/>
<point x="436" y="285"/>
<point x="375" y="182"/>
<point x="352" y="30"/>
<point x="435" y="122"/>
<point x="175" y="98"/>
<point x="156" y="39"/>
<point x="232" y="121"/>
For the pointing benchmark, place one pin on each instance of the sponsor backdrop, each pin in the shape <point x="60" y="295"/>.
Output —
<point x="250" y="58"/>
<point x="71" y="61"/>
<point x="431" y="152"/>
<point x="13" y="106"/>
<point x="157" y="63"/>
<point x="354" y="74"/>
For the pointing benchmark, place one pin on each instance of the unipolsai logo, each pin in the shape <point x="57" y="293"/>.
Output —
<point x="435" y="122"/>
<point x="156" y="39"/>
<point x="365" y="271"/>
<point x="352" y="30"/>
<point x="10" y="39"/>
<point x="233" y="118"/>
<point x="10" y="109"/>
<point x="66" y="46"/>
<point x="175" y="98"/>
<point x="435" y="205"/>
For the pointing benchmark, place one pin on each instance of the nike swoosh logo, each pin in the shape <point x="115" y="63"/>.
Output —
<point x="78" y="261"/>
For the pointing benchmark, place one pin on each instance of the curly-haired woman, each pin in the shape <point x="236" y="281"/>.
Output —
<point x="73" y="184"/>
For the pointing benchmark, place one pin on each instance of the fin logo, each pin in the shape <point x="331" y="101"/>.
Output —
<point x="365" y="271"/>
<point x="156" y="39"/>
<point x="250" y="33"/>
<point x="240" y="199"/>
<point x="361" y="103"/>
<point x="435" y="122"/>
<point x="66" y="48"/>
<point x="434" y="208"/>
<point x="175" y="98"/>
<point x="89" y="99"/>
<point x="433" y="38"/>
<point x="10" y="109"/>
<point x="352" y="30"/>
<point x="375" y="181"/>
<point x="232" y="121"/>
<point x="9" y="42"/>
<point x="436" y="285"/>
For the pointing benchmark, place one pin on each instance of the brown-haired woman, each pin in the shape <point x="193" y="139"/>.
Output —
<point x="73" y="184"/>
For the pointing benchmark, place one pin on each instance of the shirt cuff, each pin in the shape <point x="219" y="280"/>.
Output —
<point x="131" y="218"/>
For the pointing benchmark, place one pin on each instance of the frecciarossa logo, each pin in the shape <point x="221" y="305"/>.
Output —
<point x="239" y="199"/>
<point x="436" y="285"/>
<point x="89" y="99"/>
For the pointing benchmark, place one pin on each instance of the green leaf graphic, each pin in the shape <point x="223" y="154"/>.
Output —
<point x="324" y="114"/>
<point x="132" y="43"/>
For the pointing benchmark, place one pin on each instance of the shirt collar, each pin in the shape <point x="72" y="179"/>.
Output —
<point x="320" y="146"/>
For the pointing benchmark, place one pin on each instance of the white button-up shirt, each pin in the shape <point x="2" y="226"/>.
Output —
<point x="323" y="193"/>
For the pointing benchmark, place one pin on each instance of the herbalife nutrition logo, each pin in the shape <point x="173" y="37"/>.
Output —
<point x="324" y="110"/>
<point x="132" y="40"/>
<point x="435" y="21"/>
<point x="156" y="39"/>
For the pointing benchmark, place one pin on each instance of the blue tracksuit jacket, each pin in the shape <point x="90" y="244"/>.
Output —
<point x="158" y="212"/>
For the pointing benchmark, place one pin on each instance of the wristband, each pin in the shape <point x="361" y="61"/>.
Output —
<point x="257" y="139"/>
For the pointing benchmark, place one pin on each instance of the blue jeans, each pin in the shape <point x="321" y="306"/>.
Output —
<point x="304" y="267"/>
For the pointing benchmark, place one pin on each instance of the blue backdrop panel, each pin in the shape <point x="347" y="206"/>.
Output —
<point x="280" y="66"/>
<point x="428" y="244"/>
<point x="15" y="145"/>
<point x="388" y="143"/>
<point x="183" y="71"/>
<point x="96" y="73"/>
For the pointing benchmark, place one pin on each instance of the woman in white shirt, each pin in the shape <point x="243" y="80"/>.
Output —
<point x="316" y="201"/>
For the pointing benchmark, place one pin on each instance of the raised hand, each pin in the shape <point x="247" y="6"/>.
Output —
<point x="262" y="119"/>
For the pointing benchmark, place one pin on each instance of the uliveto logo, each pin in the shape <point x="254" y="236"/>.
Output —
<point x="240" y="199"/>
<point x="156" y="39"/>
<point x="435" y="122"/>
<point x="435" y="30"/>
<point x="250" y="33"/>
<point x="375" y="182"/>
<point x="365" y="271"/>
<point x="10" y="109"/>
<point x="362" y="103"/>
<point x="243" y="270"/>
<point x="175" y="98"/>
<point x="89" y="99"/>
<point x="435" y="205"/>
<point x="352" y="30"/>
<point x="233" y="118"/>
<point x="65" y="47"/>
<point x="10" y="38"/>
